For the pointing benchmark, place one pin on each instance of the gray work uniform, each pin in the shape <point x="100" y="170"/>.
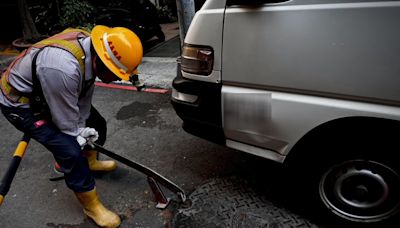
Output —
<point x="62" y="81"/>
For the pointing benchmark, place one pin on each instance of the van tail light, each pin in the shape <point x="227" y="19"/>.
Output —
<point x="197" y="59"/>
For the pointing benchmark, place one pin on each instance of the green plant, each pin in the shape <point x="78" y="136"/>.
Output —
<point x="46" y="16"/>
<point x="53" y="16"/>
<point x="75" y="13"/>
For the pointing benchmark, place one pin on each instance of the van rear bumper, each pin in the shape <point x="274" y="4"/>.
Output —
<point x="198" y="104"/>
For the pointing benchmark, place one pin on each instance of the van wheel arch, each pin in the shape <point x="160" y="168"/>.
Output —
<point x="347" y="148"/>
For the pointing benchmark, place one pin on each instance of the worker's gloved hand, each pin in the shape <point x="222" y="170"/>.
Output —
<point x="87" y="136"/>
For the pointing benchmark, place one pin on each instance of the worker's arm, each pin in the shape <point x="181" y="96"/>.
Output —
<point x="59" y="74"/>
<point x="85" y="103"/>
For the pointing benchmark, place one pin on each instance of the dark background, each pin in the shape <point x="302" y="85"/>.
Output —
<point x="44" y="14"/>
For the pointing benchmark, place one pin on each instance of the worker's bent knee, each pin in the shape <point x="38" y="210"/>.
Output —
<point x="69" y="160"/>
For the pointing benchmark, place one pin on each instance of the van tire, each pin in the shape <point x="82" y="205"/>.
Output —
<point x="345" y="172"/>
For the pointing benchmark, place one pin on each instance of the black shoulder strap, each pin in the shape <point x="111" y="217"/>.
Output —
<point x="37" y="101"/>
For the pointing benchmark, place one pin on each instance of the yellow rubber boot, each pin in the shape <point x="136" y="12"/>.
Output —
<point x="95" y="210"/>
<point x="96" y="165"/>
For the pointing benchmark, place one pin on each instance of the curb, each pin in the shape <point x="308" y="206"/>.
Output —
<point x="161" y="44"/>
<point x="131" y="88"/>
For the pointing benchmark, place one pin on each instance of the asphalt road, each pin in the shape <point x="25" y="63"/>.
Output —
<point x="144" y="127"/>
<point x="141" y="127"/>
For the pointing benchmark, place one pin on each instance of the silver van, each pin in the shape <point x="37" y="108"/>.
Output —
<point x="311" y="84"/>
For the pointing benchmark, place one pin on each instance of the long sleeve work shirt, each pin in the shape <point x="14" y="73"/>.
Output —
<point x="62" y="83"/>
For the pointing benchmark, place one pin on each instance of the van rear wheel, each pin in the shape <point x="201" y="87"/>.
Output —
<point x="351" y="179"/>
<point x="360" y="191"/>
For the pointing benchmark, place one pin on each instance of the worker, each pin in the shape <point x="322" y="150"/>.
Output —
<point x="47" y="91"/>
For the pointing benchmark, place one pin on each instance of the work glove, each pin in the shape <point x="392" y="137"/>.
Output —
<point x="87" y="136"/>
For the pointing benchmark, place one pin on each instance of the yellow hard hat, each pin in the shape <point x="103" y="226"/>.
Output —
<point x="119" y="48"/>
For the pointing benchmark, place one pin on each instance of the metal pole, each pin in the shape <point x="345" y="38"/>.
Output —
<point x="185" y="11"/>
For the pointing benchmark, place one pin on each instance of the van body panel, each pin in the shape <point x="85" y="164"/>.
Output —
<point x="346" y="49"/>
<point x="276" y="121"/>
<point x="214" y="4"/>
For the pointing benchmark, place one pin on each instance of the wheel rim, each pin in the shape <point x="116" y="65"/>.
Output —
<point x="361" y="191"/>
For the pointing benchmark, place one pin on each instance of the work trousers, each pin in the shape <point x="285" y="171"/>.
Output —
<point x="65" y="148"/>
